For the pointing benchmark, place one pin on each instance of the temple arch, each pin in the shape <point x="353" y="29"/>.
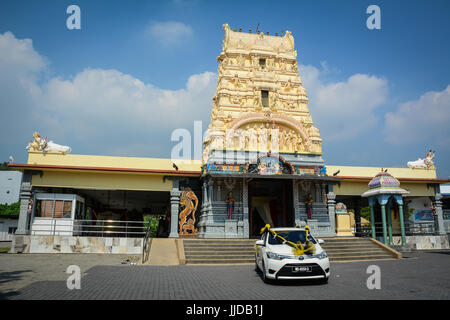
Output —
<point x="275" y="118"/>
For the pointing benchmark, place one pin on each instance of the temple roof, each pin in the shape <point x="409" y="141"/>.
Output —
<point x="384" y="183"/>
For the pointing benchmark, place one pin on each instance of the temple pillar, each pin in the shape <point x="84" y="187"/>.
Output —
<point x="297" y="218"/>
<point x="402" y="223"/>
<point x="357" y="209"/>
<point x="24" y="196"/>
<point x="389" y="224"/>
<point x="332" y="210"/>
<point x="175" y="194"/>
<point x="372" y="222"/>
<point x="383" y="220"/>
<point x="439" y="214"/>
<point x="210" y="195"/>
<point x="245" y="208"/>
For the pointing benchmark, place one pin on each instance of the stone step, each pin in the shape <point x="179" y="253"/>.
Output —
<point x="351" y="249"/>
<point x="332" y="253"/>
<point x="355" y="254"/>
<point x="231" y="251"/>
<point x="216" y="247"/>
<point x="225" y="253"/>
<point x="219" y="261"/>
<point x="342" y="246"/>
<point x="220" y="240"/>
<point x="347" y="241"/>
<point x="215" y="256"/>
<point x="361" y="258"/>
<point x="224" y="245"/>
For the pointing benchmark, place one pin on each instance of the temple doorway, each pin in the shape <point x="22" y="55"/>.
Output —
<point x="270" y="202"/>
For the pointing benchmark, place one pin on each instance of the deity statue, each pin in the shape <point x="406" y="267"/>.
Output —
<point x="252" y="137"/>
<point x="300" y="145"/>
<point x="241" y="138"/>
<point x="241" y="60"/>
<point x="309" y="204"/>
<point x="274" y="139"/>
<point x="230" y="205"/>
<point x="257" y="102"/>
<point x="294" y="140"/>
<point x="255" y="62"/>
<point x="426" y="163"/>
<point x="41" y="144"/>
<point x="262" y="138"/>
<point x="308" y="146"/>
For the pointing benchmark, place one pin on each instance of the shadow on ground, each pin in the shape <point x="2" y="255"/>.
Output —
<point x="6" y="277"/>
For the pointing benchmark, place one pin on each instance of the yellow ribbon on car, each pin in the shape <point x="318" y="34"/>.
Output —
<point x="298" y="248"/>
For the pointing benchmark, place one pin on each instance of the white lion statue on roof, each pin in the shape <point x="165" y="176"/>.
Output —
<point x="426" y="163"/>
<point x="39" y="143"/>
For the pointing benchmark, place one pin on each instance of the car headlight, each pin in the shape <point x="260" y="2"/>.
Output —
<point x="275" y="256"/>
<point x="321" y="255"/>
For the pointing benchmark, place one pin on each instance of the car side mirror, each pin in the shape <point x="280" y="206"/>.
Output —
<point x="260" y="243"/>
<point x="321" y="241"/>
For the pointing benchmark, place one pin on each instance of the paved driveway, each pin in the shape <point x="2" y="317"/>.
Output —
<point x="422" y="275"/>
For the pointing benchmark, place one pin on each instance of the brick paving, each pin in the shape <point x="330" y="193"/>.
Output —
<point x="422" y="275"/>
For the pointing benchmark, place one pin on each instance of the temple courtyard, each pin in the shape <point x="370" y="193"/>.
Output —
<point x="419" y="275"/>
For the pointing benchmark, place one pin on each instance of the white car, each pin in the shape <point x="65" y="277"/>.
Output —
<point x="276" y="259"/>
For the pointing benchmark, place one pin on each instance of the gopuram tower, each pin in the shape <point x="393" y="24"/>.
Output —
<point x="260" y="132"/>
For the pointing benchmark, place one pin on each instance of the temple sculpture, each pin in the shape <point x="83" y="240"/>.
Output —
<point x="260" y="104"/>
<point x="260" y="128"/>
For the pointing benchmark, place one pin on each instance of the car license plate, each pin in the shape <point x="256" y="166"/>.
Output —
<point x="301" y="269"/>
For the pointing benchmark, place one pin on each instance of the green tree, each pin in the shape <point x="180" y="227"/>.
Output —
<point x="4" y="166"/>
<point x="12" y="209"/>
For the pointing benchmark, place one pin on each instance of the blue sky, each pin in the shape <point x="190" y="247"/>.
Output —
<point x="137" y="70"/>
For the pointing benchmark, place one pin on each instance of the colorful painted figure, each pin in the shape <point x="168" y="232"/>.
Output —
<point x="309" y="202"/>
<point x="230" y="205"/>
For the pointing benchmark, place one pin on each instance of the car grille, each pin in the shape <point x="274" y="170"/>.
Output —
<point x="288" y="270"/>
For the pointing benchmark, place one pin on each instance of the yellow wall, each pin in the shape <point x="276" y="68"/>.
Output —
<point x="102" y="180"/>
<point x="359" y="187"/>
<point x="111" y="162"/>
<point x="346" y="171"/>
<point x="146" y="181"/>
<point x="353" y="188"/>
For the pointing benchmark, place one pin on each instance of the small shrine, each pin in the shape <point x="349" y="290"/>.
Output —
<point x="384" y="189"/>
<point x="343" y="221"/>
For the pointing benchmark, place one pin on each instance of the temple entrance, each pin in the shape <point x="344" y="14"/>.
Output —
<point x="270" y="202"/>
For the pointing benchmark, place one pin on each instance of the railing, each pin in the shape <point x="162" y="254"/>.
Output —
<point x="411" y="229"/>
<point x="147" y="244"/>
<point x="88" y="228"/>
<point x="446" y="214"/>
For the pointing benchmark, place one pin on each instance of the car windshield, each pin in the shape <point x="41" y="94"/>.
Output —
<point x="292" y="236"/>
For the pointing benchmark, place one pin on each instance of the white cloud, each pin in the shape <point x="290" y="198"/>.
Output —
<point x="104" y="110"/>
<point x="343" y="110"/>
<point x="424" y="120"/>
<point x="19" y="54"/>
<point x="111" y="98"/>
<point x="169" y="32"/>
